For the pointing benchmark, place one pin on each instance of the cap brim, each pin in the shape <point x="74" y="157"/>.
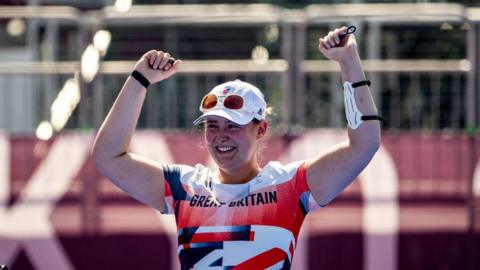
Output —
<point x="237" y="117"/>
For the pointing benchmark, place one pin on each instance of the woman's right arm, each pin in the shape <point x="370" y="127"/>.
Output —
<point x="141" y="178"/>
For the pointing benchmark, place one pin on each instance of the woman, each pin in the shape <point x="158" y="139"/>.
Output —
<point x="240" y="216"/>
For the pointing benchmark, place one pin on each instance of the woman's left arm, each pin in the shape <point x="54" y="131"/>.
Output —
<point x="329" y="173"/>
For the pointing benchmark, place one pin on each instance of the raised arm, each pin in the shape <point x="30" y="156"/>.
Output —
<point x="141" y="178"/>
<point x="329" y="173"/>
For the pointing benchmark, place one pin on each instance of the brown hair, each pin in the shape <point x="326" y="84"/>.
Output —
<point x="261" y="145"/>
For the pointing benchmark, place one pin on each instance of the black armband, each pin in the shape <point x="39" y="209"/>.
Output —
<point x="373" y="117"/>
<point x="140" y="78"/>
<point x="361" y="83"/>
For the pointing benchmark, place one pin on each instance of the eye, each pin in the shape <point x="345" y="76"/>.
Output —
<point x="233" y="126"/>
<point x="212" y="126"/>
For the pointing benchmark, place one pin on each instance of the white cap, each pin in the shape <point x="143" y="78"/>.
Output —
<point x="254" y="104"/>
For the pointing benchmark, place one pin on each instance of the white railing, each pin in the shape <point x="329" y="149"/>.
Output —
<point x="292" y="68"/>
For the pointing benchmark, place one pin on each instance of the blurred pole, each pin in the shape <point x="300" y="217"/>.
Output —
<point x="84" y="38"/>
<point x="456" y="101"/>
<point x="299" y="52"/>
<point x="414" y="110"/>
<point x="393" y="83"/>
<point x="475" y="68"/>
<point x="97" y="100"/>
<point x="88" y="179"/>
<point x="471" y="130"/>
<point x="471" y="56"/>
<point x="50" y="50"/>
<point x="435" y="81"/>
<point x="97" y="87"/>
<point x="374" y="43"/>
<point x="91" y="179"/>
<point x="286" y="52"/>
<point x="23" y="119"/>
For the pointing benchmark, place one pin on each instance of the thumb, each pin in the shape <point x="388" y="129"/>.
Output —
<point x="173" y="69"/>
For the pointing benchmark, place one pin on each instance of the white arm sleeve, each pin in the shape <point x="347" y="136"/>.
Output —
<point x="354" y="116"/>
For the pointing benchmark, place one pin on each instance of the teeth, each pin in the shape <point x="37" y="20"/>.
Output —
<point x="224" y="148"/>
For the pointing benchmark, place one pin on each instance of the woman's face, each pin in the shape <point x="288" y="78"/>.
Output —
<point x="232" y="146"/>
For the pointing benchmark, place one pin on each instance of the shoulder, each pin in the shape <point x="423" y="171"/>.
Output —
<point x="277" y="167"/>
<point x="283" y="172"/>
<point x="186" y="173"/>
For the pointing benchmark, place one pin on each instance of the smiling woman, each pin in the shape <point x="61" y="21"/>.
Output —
<point x="233" y="147"/>
<point x="240" y="216"/>
<point x="234" y="117"/>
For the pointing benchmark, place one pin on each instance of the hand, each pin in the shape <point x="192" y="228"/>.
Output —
<point x="155" y="67"/>
<point x="335" y="49"/>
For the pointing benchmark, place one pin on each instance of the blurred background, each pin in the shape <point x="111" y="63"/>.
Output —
<point x="62" y="63"/>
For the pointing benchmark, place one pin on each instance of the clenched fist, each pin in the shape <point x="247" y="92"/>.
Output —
<point x="336" y="48"/>
<point x="157" y="66"/>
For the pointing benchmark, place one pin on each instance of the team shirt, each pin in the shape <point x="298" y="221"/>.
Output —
<point x="238" y="226"/>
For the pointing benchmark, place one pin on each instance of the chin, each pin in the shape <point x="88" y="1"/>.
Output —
<point x="228" y="166"/>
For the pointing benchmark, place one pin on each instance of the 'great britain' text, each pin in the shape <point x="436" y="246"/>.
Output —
<point x="250" y="200"/>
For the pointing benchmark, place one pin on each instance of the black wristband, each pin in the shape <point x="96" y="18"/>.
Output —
<point x="373" y="117"/>
<point x="140" y="78"/>
<point x="361" y="83"/>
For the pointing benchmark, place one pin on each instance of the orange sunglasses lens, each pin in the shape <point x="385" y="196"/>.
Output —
<point x="209" y="101"/>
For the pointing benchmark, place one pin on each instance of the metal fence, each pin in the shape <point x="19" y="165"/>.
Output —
<point x="421" y="58"/>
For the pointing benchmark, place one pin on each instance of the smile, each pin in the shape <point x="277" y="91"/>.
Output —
<point x="225" y="149"/>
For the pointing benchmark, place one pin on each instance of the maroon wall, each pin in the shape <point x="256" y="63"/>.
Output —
<point x="99" y="227"/>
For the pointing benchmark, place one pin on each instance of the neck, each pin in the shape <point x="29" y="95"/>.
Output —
<point x="239" y="176"/>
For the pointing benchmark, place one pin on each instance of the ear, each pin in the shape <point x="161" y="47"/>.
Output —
<point x="262" y="129"/>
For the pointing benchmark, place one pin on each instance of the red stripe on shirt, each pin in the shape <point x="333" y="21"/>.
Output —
<point x="263" y="260"/>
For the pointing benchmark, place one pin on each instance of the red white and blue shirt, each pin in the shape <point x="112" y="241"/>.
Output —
<point x="238" y="226"/>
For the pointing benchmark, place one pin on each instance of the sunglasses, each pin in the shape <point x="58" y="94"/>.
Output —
<point x="232" y="102"/>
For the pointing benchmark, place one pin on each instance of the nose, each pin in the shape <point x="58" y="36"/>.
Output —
<point x="222" y="137"/>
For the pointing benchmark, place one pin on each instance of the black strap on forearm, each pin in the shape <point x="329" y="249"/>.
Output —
<point x="373" y="117"/>
<point x="140" y="78"/>
<point x="361" y="83"/>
